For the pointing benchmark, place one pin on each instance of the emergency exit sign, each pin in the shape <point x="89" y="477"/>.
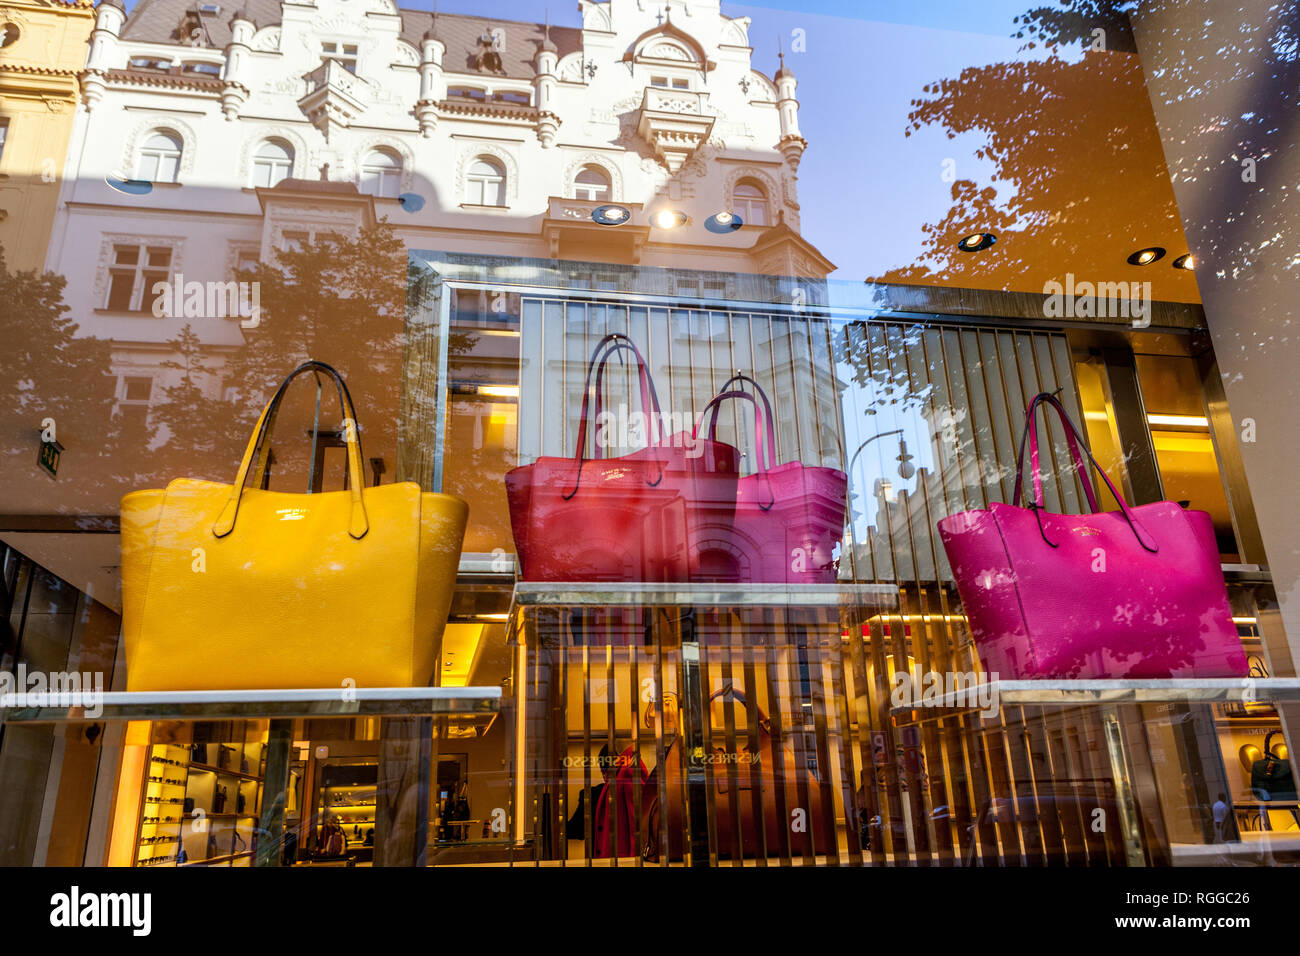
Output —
<point x="48" y="458"/>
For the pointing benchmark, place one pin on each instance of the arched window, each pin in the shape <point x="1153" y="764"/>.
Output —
<point x="272" y="162"/>
<point x="749" y="202"/>
<point x="381" y="173"/>
<point x="485" y="185"/>
<point x="160" y="157"/>
<point x="592" y="182"/>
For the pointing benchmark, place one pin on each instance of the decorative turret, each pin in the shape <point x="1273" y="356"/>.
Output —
<point x="544" y="85"/>
<point x="791" y="143"/>
<point x="234" y="92"/>
<point x="109" y="17"/>
<point x="433" y="85"/>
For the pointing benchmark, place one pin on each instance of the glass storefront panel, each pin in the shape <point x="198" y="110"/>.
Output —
<point x="604" y="442"/>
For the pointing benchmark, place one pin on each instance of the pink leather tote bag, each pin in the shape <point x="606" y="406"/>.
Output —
<point x="1136" y="593"/>
<point x="788" y="517"/>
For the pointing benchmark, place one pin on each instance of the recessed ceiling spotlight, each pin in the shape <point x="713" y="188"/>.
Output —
<point x="977" y="241"/>
<point x="611" y="215"/>
<point x="724" y="221"/>
<point x="1185" y="261"/>
<point x="670" y="218"/>
<point x="1144" y="257"/>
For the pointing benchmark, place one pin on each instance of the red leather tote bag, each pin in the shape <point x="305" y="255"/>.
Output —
<point x="629" y="518"/>
<point x="1134" y="593"/>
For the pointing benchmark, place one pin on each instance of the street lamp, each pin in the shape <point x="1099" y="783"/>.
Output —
<point x="905" y="467"/>
<point x="905" y="471"/>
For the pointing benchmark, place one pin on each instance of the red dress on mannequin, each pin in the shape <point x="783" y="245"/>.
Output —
<point x="630" y="777"/>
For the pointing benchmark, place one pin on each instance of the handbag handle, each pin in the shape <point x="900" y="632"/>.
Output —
<point x="1075" y="441"/>
<point x="1268" y="749"/>
<point x="1031" y="432"/>
<point x="767" y="409"/>
<point x="610" y="344"/>
<point x="759" y="447"/>
<point x="358" y="524"/>
<point x="730" y="691"/>
<point x="649" y="398"/>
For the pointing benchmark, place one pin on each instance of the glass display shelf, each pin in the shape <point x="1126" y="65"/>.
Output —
<point x="247" y="704"/>
<point x="706" y="594"/>
<point x="991" y="701"/>
<point x="1104" y="692"/>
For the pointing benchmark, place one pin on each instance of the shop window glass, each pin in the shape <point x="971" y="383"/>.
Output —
<point x="1184" y="446"/>
<point x="1101" y="428"/>
<point x="483" y="407"/>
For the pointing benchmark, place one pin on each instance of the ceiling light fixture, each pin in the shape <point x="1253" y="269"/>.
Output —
<point x="1185" y="261"/>
<point x="1179" y="421"/>
<point x="499" y="391"/>
<point x="723" y="222"/>
<point x="670" y="218"/>
<point x="1144" y="257"/>
<point x="977" y="241"/>
<point x="611" y="215"/>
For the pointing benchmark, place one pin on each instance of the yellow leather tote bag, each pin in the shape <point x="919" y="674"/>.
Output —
<point x="233" y="587"/>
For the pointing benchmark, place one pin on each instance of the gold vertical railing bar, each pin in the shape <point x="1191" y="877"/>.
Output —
<point x="771" y="658"/>
<point x="634" y="702"/>
<point x="612" y="822"/>
<point x="706" y="711"/>
<point x="794" y="652"/>
<point x="843" y="691"/>
<point x="735" y="849"/>
<point x="821" y="630"/>
<point x="750" y="650"/>
<point x="589" y="814"/>
<point x="661" y="769"/>
<point x="868" y="802"/>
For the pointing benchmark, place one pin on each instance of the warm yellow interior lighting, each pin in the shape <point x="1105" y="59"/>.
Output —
<point x="1244" y="620"/>
<point x="492" y="617"/>
<point x="459" y="646"/>
<point x="499" y="391"/>
<point x="1180" y="421"/>
<point x="886" y="618"/>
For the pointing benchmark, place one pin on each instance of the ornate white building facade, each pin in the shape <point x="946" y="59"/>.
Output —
<point x="206" y="131"/>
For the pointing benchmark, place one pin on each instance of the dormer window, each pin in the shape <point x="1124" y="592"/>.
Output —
<point x="344" y="53"/>
<point x="467" y="93"/>
<point x="149" y="63"/>
<point x="670" y="83"/>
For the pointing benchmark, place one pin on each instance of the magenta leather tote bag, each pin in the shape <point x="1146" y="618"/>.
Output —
<point x="788" y="518"/>
<point x="629" y="518"/>
<point x="1134" y="593"/>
